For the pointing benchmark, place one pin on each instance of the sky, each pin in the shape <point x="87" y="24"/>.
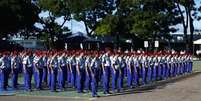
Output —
<point x="76" y="26"/>
<point x="197" y="24"/>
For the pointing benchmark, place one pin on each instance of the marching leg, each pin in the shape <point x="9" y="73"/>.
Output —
<point x="53" y="80"/>
<point x="154" y="73"/>
<point x="120" y="80"/>
<point x="149" y="74"/>
<point x="14" y="78"/>
<point x="143" y="75"/>
<point x="129" y="77"/>
<point x="135" y="76"/>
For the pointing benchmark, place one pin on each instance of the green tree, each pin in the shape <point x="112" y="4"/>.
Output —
<point x="17" y="15"/>
<point x="91" y="12"/>
<point x="188" y="15"/>
<point x="199" y="9"/>
<point x="154" y="18"/>
<point x="142" y="18"/>
<point x="56" y="9"/>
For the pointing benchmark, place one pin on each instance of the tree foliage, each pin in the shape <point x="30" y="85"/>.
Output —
<point x="144" y="18"/>
<point x="17" y="15"/>
<point x="55" y="9"/>
<point x="187" y="15"/>
<point x="91" y="12"/>
<point x="147" y="19"/>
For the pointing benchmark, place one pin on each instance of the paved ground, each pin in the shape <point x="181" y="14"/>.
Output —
<point x="184" y="90"/>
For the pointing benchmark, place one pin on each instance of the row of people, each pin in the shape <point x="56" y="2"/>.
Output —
<point x="87" y="70"/>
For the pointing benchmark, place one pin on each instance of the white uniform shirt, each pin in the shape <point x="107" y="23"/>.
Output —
<point x="2" y="64"/>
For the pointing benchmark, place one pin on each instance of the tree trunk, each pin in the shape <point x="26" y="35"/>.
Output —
<point x="87" y="30"/>
<point x="186" y="38"/>
<point x="191" y="31"/>
<point x="52" y="43"/>
<point x="184" y="22"/>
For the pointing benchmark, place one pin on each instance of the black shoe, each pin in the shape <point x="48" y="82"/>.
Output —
<point x="53" y="91"/>
<point x="95" y="96"/>
<point x="80" y="92"/>
<point x="120" y="91"/>
<point x="105" y="92"/>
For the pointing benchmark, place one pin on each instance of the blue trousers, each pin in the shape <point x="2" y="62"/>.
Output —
<point x="171" y="70"/>
<point x="120" y="79"/>
<point x="3" y="78"/>
<point x="49" y="75"/>
<point x="38" y="75"/>
<point x="99" y="76"/>
<point x="106" y="79"/>
<point x="163" y="73"/>
<point x="28" y="78"/>
<point x="63" y="77"/>
<point x="177" y="69"/>
<point x="87" y="81"/>
<point x="143" y="75"/>
<point x="182" y="68"/>
<point x="186" y="67"/>
<point x="93" y="86"/>
<point x="159" y="72"/>
<point x="60" y="79"/>
<point x="190" y="67"/>
<point x="125" y="72"/>
<point x="15" y="78"/>
<point x="154" y="73"/>
<point x="73" y="76"/>
<point x="129" y="76"/>
<point x="53" y="79"/>
<point x="80" y="81"/>
<point x="69" y="75"/>
<point x="94" y="83"/>
<point x="45" y="74"/>
<point x="174" y="70"/>
<point x="135" y="76"/>
<point x="149" y="74"/>
<point x="115" y="74"/>
<point x="167" y="70"/>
